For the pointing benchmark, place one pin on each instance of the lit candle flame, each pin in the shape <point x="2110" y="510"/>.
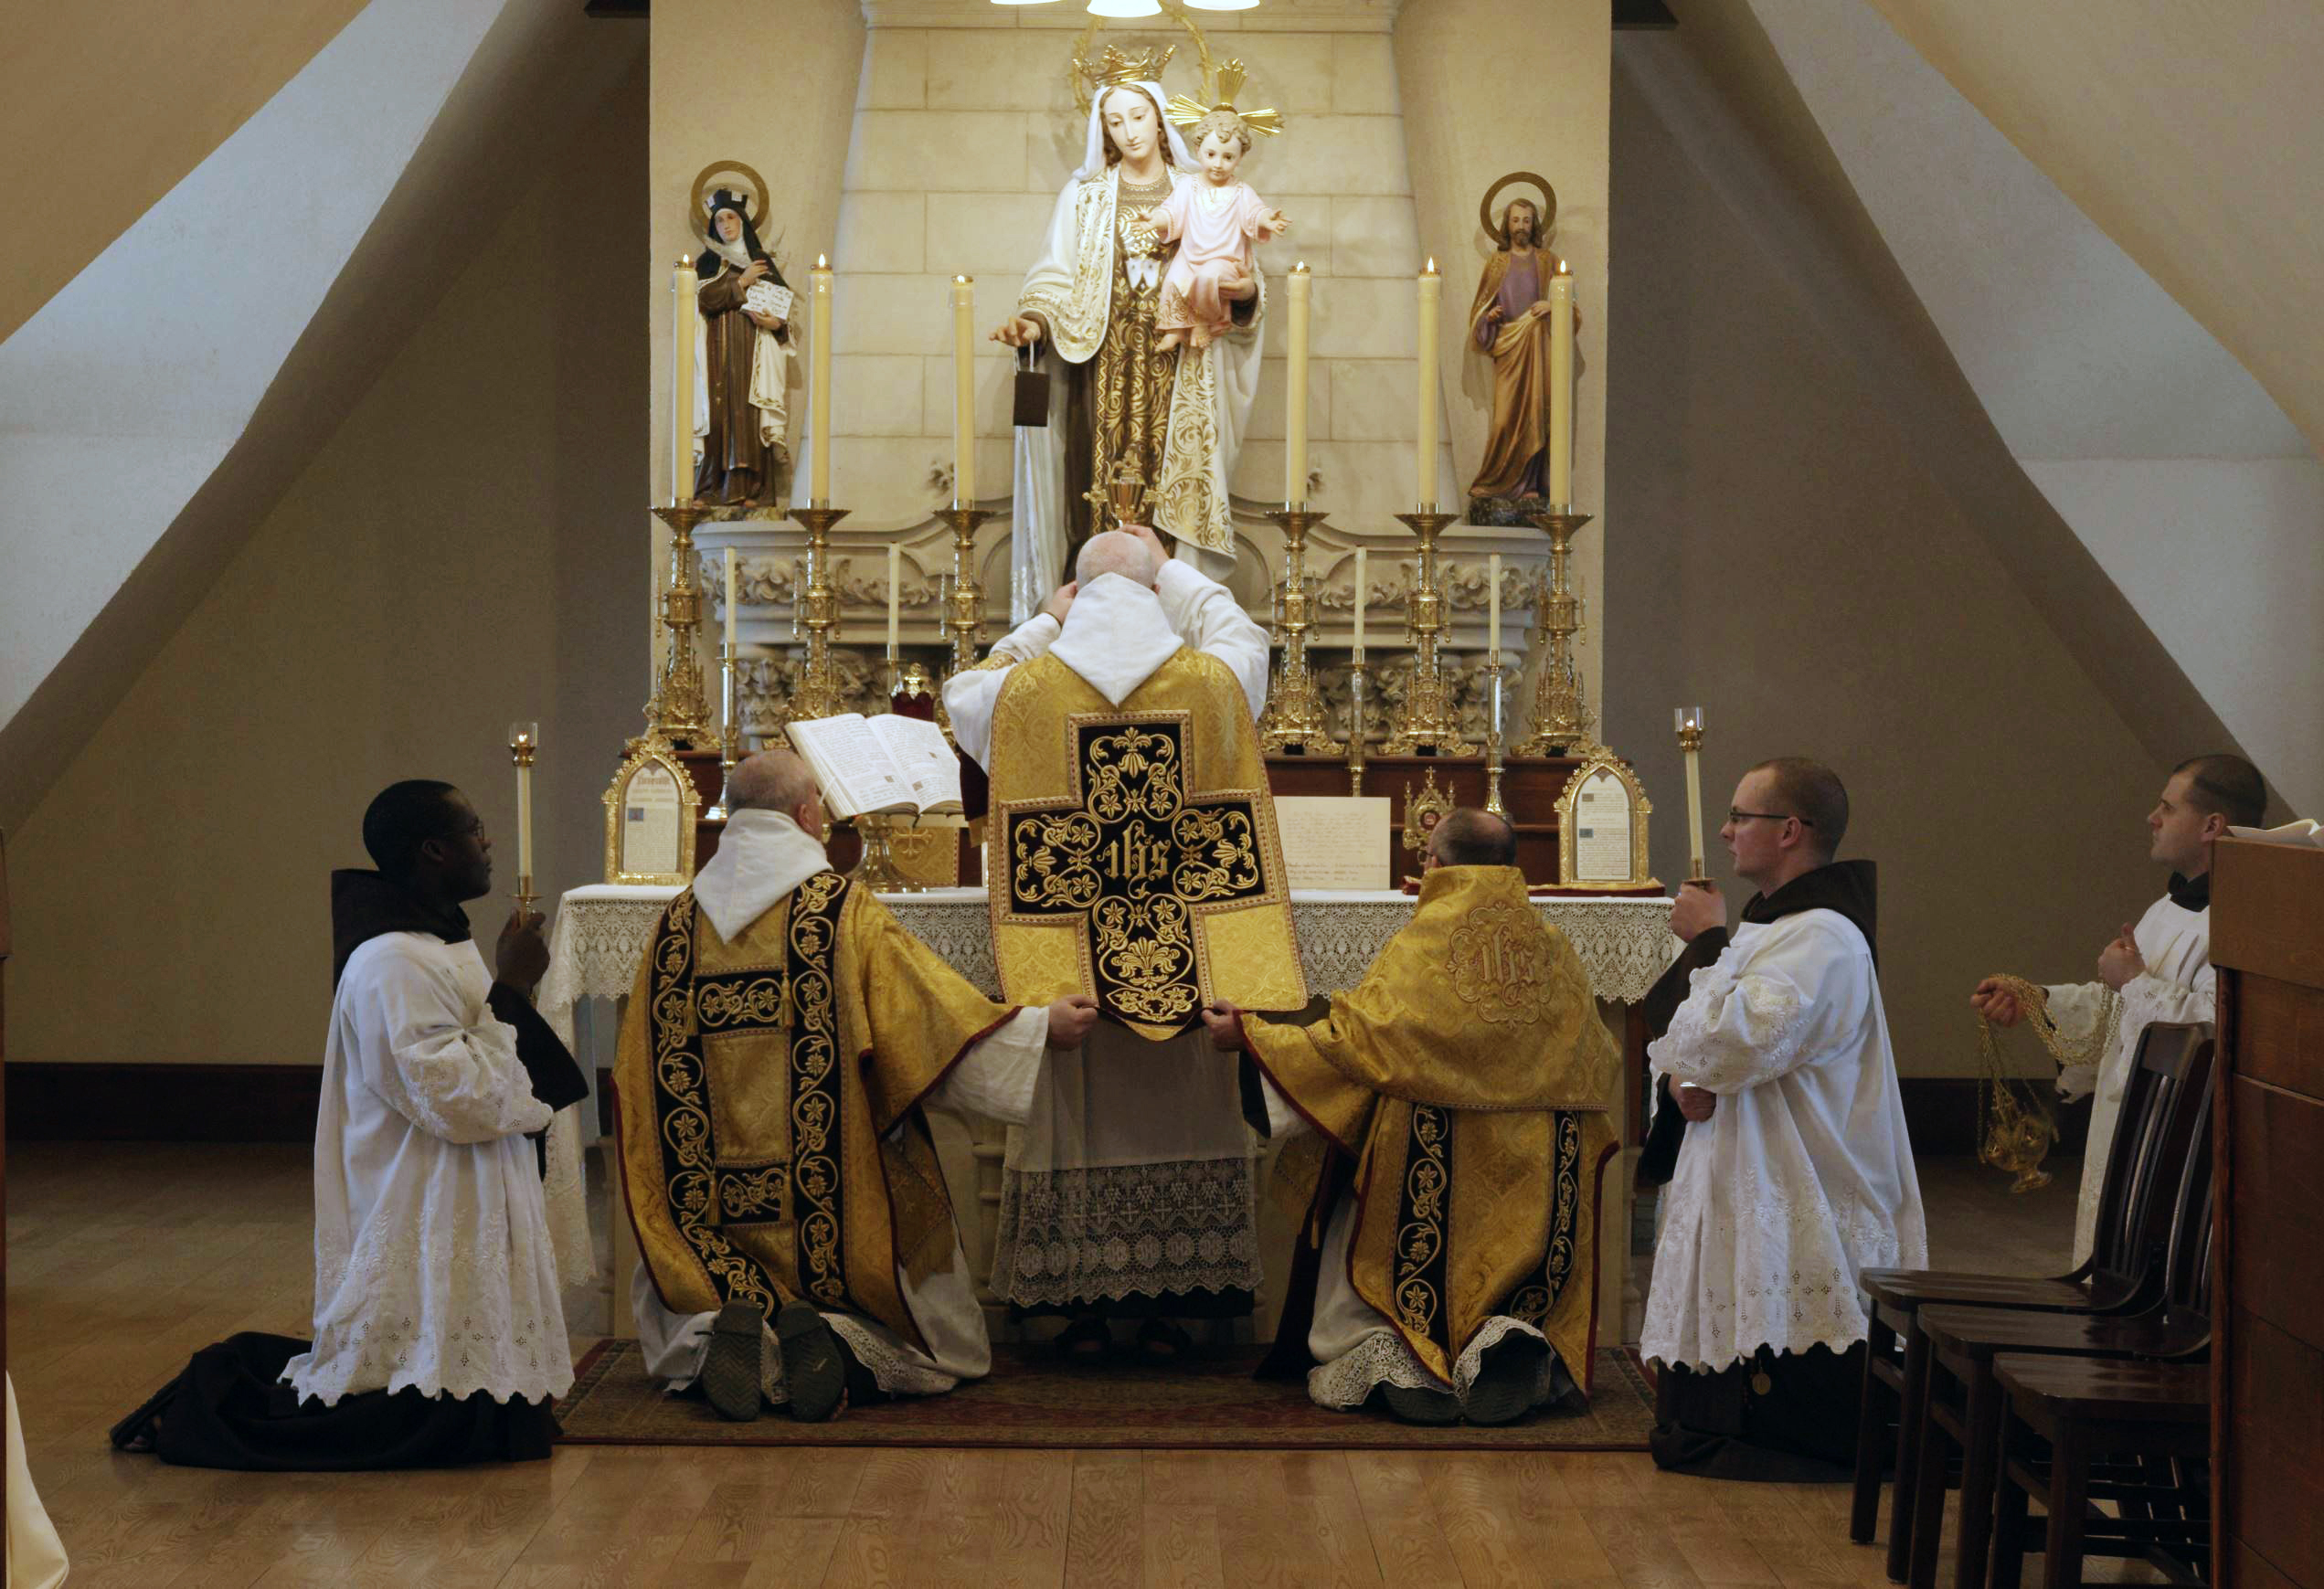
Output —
<point x="1432" y="266"/>
<point x="1300" y="269"/>
<point x="822" y="262"/>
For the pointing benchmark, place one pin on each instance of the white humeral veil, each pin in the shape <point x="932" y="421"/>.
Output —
<point x="1070" y="286"/>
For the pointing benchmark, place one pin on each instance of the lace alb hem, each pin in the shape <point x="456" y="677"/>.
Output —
<point x="891" y="1365"/>
<point x="1382" y="1358"/>
<point x="335" y="1381"/>
<point x="1103" y="1235"/>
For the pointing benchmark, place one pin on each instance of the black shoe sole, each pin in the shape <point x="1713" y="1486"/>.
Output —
<point x="1503" y="1390"/>
<point x="733" y="1369"/>
<point x="814" y="1373"/>
<point x="1411" y="1406"/>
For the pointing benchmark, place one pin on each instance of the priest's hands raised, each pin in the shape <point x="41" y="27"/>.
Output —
<point x="521" y="957"/>
<point x="1070" y="1019"/>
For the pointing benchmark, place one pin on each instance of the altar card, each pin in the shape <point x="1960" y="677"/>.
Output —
<point x="1334" y="841"/>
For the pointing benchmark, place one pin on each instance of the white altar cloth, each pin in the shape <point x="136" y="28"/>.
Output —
<point x="601" y="931"/>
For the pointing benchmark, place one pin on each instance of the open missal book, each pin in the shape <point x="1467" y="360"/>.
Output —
<point x="884" y="766"/>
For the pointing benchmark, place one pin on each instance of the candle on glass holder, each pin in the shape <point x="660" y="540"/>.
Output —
<point x="1424" y="461"/>
<point x="682" y="316"/>
<point x="963" y="392"/>
<point x="819" y="395"/>
<point x="1295" y="392"/>
<point x="1362" y="586"/>
<point x="1689" y="722"/>
<point x="1561" y="389"/>
<point x="524" y="741"/>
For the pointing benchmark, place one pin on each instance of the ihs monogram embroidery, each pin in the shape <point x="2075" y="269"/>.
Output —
<point x="1497" y="965"/>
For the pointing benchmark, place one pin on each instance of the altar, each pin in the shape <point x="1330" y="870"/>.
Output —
<point x="600" y="933"/>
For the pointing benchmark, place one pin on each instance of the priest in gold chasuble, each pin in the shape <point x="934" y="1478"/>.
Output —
<point x="784" y="1034"/>
<point x="1457" y="1099"/>
<point x="1131" y="856"/>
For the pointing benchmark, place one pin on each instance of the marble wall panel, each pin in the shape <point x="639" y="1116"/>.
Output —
<point x="1373" y="399"/>
<point x="875" y="394"/>
<point x="994" y="235"/>
<point x="1364" y="75"/>
<point x="1267" y="407"/>
<point x="994" y="383"/>
<point x="882" y="232"/>
<point x="1353" y="155"/>
<point x="998" y="70"/>
<point x="1375" y="236"/>
<point x="916" y="151"/>
<point x="1288" y="72"/>
<point x="895" y="70"/>
<point x="878" y="313"/>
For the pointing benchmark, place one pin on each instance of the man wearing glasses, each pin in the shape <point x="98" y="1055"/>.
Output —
<point x="1795" y="1174"/>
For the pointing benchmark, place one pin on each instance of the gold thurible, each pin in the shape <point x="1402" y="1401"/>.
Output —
<point x="1428" y="721"/>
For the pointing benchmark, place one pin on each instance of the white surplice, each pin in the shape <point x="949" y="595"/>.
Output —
<point x="2177" y="985"/>
<point x="1803" y="1176"/>
<point x="1133" y="1175"/>
<point x="762" y="857"/>
<point x="433" y="1262"/>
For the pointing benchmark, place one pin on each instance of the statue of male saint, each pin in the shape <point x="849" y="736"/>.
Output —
<point x="1131" y="856"/>
<point x="1508" y="325"/>
<point x="1088" y="306"/>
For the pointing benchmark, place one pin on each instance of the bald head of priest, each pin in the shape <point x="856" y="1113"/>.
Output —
<point x="776" y="780"/>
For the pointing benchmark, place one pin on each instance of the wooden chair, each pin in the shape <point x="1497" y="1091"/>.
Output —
<point x="2122" y="1273"/>
<point x="1965" y="1341"/>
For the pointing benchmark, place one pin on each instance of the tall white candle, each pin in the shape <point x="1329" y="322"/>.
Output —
<point x="1295" y="393"/>
<point x="1690" y="727"/>
<point x="819" y="395"/>
<point x="1362" y="590"/>
<point x="963" y="392"/>
<point x="730" y="570"/>
<point x="1423" y="447"/>
<point x="1561" y="389"/>
<point x="895" y="596"/>
<point x="1493" y="604"/>
<point x="682" y="319"/>
<point x="523" y="742"/>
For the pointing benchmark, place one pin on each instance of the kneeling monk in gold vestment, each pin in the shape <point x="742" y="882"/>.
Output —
<point x="783" y="1036"/>
<point x="1459" y="1095"/>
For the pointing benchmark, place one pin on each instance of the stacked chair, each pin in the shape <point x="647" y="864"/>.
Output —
<point x="2139" y="1299"/>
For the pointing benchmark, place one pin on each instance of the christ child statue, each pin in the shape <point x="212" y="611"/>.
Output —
<point x="1215" y="220"/>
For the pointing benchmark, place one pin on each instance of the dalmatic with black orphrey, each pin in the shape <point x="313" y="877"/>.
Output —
<point x="758" y="1088"/>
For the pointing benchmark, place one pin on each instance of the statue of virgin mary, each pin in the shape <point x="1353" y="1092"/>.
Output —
<point x="1087" y="307"/>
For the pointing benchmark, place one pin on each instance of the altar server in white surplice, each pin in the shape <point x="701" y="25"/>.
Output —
<point x="1128" y="1193"/>
<point x="1795" y="1174"/>
<point x="2157" y="970"/>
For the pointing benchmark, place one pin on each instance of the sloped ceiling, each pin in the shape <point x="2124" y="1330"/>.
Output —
<point x="118" y="99"/>
<point x="2190" y="133"/>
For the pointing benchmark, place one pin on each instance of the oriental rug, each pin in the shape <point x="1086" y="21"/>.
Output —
<point x="1031" y="1400"/>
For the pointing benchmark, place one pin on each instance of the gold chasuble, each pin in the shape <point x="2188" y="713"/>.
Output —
<point x="1468" y="1077"/>
<point x="757" y="1085"/>
<point x="1131" y="854"/>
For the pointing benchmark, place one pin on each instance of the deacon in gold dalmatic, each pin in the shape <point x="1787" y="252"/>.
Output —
<point x="1459" y="1096"/>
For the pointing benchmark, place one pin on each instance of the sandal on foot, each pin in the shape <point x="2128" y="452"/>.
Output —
<point x="1084" y="1340"/>
<point x="734" y="1367"/>
<point x="813" y="1369"/>
<point x="1508" y="1378"/>
<point x="1161" y="1343"/>
<point x="1414" y="1406"/>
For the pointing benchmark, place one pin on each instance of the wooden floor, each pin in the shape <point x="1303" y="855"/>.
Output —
<point x="123" y="1260"/>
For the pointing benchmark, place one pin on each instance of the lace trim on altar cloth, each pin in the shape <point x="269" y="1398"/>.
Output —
<point x="1382" y="1358"/>
<point x="1101" y="1235"/>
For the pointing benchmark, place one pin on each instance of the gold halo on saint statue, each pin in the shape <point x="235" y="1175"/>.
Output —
<point x="754" y="195"/>
<point x="1077" y="78"/>
<point x="1486" y="219"/>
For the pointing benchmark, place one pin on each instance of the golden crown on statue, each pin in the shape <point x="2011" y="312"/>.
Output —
<point x="1113" y="68"/>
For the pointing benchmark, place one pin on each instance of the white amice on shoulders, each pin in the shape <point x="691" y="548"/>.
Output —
<point x="1803" y="1176"/>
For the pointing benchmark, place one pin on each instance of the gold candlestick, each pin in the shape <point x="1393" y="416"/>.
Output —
<point x="816" y="609"/>
<point x="1294" y="717"/>
<point x="1359" y="722"/>
<point x="1562" y="720"/>
<point x="1492" y="740"/>
<point x="730" y="739"/>
<point x="1428" y="721"/>
<point x="678" y="711"/>
<point x="964" y="616"/>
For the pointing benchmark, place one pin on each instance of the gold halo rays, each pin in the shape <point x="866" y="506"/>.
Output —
<point x="1549" y="210"/>
<point x="1087" y="36"/>
<point x="754" y="206"/>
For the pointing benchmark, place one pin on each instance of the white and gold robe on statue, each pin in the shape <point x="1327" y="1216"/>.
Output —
<point x="2177" y="985"/>
<point x="1071" y="287"/>
<point x="763" y="859"/>
<point x="1131" y="1178"/>
<point x="1803" y="1176"/>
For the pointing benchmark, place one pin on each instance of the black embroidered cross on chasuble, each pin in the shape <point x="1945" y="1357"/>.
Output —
<point x="1134" y="856"/>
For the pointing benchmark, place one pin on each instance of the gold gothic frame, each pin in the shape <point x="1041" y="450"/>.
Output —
<point x="1601" y="767"/>
<point x="652" y="758"/>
